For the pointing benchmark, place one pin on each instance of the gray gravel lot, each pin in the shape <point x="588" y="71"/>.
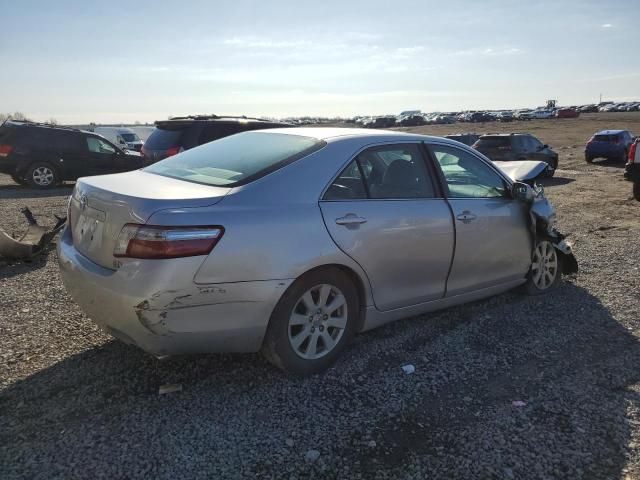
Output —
<point x="76" y="404"/>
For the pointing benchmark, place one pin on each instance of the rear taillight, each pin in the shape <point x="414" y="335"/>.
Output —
<point x="155" y="242"/>
<point x="173" y="151"/>
<point x="5" y="150"/>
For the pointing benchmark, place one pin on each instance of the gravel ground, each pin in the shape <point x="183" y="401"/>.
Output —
<point x="76" y="404"/>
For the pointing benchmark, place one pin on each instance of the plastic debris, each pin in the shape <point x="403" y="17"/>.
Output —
<point x="408" y="369"/>
<point x="33" y="241"/>
<point x="169" y="388"/>
<point x="519" y="403"/>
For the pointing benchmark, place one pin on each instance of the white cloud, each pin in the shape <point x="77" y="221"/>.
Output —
<point x="489" y="51"/>
<point x="606" y="25"/>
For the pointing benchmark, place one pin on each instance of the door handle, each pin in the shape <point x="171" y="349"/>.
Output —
<point x="350" y="219"/>
<point x="466" y="217"/>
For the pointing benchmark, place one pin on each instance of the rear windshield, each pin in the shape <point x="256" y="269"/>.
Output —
<point x="493" y="142"/>
<point x="237" y="159"/>
<point x="161" y="139"/>
<point x="606" y="138"/>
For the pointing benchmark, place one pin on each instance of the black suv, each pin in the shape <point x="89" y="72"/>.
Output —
<point x="182" y="133"/>
<point x="517" y="146"/>
<point x="42" y="155"/>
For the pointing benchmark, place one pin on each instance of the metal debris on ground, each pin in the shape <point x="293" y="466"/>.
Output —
<point x="33" y="241"/>
<point x="169" y="388"/>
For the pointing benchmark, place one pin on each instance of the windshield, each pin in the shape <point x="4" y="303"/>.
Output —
<point x="236" y="159"/>
<point x="130" y="137"/>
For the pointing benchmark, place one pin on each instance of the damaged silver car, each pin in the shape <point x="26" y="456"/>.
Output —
<point x="291" y="241"/>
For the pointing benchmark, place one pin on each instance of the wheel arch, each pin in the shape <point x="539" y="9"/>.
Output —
<point x="359" y="281"/>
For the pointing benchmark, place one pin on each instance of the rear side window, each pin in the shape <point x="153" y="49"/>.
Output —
<point x="493" y="142"/>
<point x="237" y="159"/>
<point x="606" y="138"/>
<point x="162" y="139"/>
<point x="388" y="172"/>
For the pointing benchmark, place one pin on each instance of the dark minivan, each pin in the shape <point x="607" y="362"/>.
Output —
<point x="182" y="133"/>
<point x="42" y="155"/>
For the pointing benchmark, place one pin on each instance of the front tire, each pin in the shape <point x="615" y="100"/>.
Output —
<point x="636" y="190"/>
<point x="588" y="159"/>
<point x="313" y="322"/>
<point x="546" y="269"/>
<point x="42" y="176"/>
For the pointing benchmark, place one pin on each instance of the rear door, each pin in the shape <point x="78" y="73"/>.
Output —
<point x="385" y="212"/>
<point x="493" y="240"/>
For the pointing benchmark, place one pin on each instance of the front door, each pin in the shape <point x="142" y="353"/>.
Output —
<point x="385" y="212"/>
<point x="101" y="157"/>
<point x="493" y="239"/>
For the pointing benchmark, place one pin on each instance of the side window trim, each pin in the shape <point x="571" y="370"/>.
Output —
<point x="439" y="192"/>
<point x="362" y="178"/>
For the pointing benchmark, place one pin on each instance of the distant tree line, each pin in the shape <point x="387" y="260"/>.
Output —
<point x="23" y="117"/>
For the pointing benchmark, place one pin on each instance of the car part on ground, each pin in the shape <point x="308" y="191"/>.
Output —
<point x="32" y="242"/>
<point x="311" y="232"/>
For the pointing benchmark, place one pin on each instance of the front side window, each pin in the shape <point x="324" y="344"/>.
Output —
<point x="237" y="159"/>
<point x="96" y="145"/>
<point x="466" y="175"/>
<point x="386" y="172"/>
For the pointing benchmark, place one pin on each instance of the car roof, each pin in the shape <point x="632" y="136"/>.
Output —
<point x="332" y="134"/>
<point x="609" y="132"/>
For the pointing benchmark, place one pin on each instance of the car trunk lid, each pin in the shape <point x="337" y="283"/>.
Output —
<point x="100" y="206"/>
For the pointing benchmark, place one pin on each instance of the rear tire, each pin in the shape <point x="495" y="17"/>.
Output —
<point x="42" y="175"/>
<point x="588" y="159"/>
<point x="545" y="273"/>
<point x="313" y="322"/>
<point x="636" y="190"/>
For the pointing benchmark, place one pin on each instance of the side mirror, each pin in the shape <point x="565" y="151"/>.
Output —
<point x="522" y="192"/>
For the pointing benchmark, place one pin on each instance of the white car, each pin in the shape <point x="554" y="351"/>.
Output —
<point x="543" y="114"/>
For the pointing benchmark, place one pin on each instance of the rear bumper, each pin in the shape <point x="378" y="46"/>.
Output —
<point x="156" y="306"/>
<point x="608" y="152"/>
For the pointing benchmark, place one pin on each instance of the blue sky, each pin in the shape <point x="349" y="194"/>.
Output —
<point x="116" y="61"/>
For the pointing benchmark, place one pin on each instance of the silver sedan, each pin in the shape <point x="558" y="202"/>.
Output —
<point x="291" y="241"/>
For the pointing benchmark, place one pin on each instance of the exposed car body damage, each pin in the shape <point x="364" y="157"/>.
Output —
<point x="32" y="242"/>
<point x="543" y="217"/>
<point x="523" y="170"/>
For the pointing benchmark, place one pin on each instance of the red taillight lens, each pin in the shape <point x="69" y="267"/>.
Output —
<point x="5" y="150"/>
<point x="156" y="242"/>
<point x="173" y="151"/>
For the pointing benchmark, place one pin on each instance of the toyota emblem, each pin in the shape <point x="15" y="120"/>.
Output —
<point x="83" y="202"/>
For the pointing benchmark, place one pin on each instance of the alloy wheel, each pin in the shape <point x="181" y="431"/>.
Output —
<point x="42" y="176"/>
<point x="544" y="268"/>
<point x="317" y="321"/>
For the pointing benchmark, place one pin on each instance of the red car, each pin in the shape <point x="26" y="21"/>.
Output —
<point x="567" y="113"/>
